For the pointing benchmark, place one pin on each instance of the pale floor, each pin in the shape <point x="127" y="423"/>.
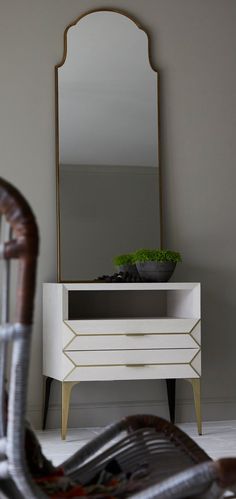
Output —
<point x="218" y="440"/>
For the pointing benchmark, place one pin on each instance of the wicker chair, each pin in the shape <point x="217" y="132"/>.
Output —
<point x="162" y="460"/>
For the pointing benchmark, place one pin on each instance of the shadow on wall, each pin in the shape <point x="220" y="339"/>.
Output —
<point x="218" y="327"/>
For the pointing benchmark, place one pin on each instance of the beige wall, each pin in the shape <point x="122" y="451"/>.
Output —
<point x="193" y="44"/>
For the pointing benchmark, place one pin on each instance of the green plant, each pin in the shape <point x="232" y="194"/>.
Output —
<point x="123" y="259"/>
<point x="156" y="255"/>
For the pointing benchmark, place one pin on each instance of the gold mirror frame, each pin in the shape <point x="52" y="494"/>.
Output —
<point x="59" y="65"/>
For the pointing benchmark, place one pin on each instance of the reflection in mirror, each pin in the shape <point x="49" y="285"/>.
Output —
<point x="108" y="146"/>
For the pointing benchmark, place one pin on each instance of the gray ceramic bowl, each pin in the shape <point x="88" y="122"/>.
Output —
<point x="155" y="271"/>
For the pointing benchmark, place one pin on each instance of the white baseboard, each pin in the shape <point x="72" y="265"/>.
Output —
<point x="92" y="415"/>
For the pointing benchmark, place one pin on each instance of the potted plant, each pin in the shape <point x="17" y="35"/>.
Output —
<point x="156" y="265"/>
<point x="125" y="263"/>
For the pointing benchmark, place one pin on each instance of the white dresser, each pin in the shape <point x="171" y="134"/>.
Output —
<point x="121" y="331"/>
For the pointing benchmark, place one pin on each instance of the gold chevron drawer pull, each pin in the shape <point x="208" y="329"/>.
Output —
<point x="135" y="334"/>
<point x="135" y="365"/>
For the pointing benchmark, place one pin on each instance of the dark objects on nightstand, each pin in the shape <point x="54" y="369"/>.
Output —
<point x="119" y="277"/>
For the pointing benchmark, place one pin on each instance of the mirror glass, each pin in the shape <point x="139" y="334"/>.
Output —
<point x="108" y="169"/>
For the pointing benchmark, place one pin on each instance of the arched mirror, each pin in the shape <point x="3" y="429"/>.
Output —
<point x="107" y="158"/>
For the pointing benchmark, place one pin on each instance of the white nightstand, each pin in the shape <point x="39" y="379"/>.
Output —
<point x="121" y="331"/>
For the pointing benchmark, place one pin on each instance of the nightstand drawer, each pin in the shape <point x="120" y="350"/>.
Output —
<point x="131" y="326"/>
<point x="124" y="357"/>
<point x="131" y="372"/>
<point x="131" y="342"/>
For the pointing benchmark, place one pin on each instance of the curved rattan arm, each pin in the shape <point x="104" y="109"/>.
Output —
<point x="23" y="246"/>
<point x="170" y="431"/>
<point x="213" y="477"/>
<point x="129" y="425"/>
<point x="196" y="475"/>
<point x="195" y="482"/>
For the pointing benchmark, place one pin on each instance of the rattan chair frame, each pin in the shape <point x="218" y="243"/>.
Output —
<point x="177" y="466"/>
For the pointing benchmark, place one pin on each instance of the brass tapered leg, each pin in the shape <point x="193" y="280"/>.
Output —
<point x="66" y="388"/>
<point x="196" y="384"/>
